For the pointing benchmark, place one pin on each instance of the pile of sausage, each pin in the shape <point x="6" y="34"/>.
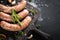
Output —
<point x="4" y="15"/>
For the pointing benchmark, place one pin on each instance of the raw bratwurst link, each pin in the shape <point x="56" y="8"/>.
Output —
<point x="16" y="27"/>
<point x="8" y="18"/>
<point x="17" y="8"/>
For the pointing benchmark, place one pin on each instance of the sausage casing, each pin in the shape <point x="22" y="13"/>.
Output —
<point x="8" y="18"/>
<point x="16" y="27"/>
<point x="17" y="7"/>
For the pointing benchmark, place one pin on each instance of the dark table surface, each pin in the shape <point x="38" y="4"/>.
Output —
<point x="50" y="17"/>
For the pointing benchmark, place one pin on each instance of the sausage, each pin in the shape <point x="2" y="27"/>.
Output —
<point x="18" y="7"/>
<point x="8" y="18"/>
<point x="4" y="16"/>
<point x="16" y="27"/>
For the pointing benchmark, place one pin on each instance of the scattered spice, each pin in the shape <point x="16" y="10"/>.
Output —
<point x="20" y="33"/>
<point x="33" y="11"/>
<point x="38" y="26"/>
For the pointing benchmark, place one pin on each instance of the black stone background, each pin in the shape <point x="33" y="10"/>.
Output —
<point x="50" y="17"/>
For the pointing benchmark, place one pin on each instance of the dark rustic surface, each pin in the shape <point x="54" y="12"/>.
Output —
<point x="50" y="17"/>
